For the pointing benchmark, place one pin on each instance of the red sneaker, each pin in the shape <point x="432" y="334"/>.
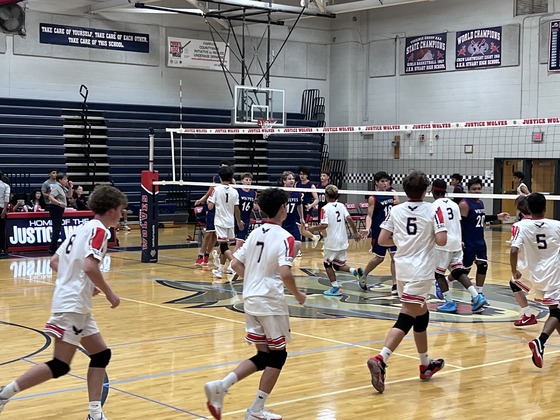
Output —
<point x="426" y="372"/>
<point x="525" y="321"/>
<point x="198" y="262"/>
<point x="205" y="261"/>
<point x="377" y="368"/>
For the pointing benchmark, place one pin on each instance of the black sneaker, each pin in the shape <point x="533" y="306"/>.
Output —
<point x="538" y="351"/>
<point x="426" y="372"/>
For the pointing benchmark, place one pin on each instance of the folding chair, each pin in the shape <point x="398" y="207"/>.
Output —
<point x="200" y="222"/>
<point x="357" y="216"/>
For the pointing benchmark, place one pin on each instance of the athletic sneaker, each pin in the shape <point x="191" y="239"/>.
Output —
<point x="217" y="273"/>
<point x="333" y="291"/>
<point x="89" y="417"/>
<point x="526" y="321"/>
<point x="478" y="302"/>
<point x="3" y="401"/>
<point x="439" y="293"/>
<point x="126" y="227"/>
<point x="362" y="278"/>
<point x="230" y="271"/>
<point x="377" y="368"/>
<point x="262" y="415"/>
<point x="198" y="262"/>
<point x="426" y="372"/>
<point x="215" y="258"/>
<point x="299" y="254"/>
<point x="448" y="307"/>
<point x="394" y="291"/>
<point x="215" y="398"/>
<point x="538" y="351"/>
<point x="205" y="261"/>
<point x="315" y="241"/>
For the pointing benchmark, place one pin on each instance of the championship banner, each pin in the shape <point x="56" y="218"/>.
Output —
<point x="478" y="48"/>
<point x="148" y="217"/>
<point x="31" y="231"/>
<point x="51" y="33"/>
<point x="195" y="53"/>
<point x="554" y="47"/>
<point x="425" y="53"/>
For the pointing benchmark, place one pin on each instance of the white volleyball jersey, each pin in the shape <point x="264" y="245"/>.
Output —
<point x="334" y="215"/>
<point x="225" y="198"/>
<point x="414" y="225"/>
<point x="452" y="219"/>
<point x="540" y="240"/>
<point x="74" y="290"/>
<point x="521" y="259"/>
<point x="267" y="248"/>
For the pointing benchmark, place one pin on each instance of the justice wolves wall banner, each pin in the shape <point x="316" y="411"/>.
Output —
<point x="195" y="53"/>
<point x="478" y="48"/>
<point x="425" y="53"/>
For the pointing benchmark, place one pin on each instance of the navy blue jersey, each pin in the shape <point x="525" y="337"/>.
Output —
<point x="292" y="218"/>
<point x="306" y="197"/>
<point x="472" y="226"/>
<point x="322" y="197"/>
<point x="381" y="209"/>
<point x="246" y="203"/>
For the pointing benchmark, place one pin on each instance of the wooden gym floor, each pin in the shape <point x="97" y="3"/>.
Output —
<point x="177" y="329"/>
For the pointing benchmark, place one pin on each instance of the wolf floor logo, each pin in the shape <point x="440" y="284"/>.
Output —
<point x="375" y="303"/>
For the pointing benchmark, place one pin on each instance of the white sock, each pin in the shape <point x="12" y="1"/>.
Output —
<point x="526" y="311"/>
<point x="334" y="284"/>
<point x="260" y="400"/>
<point x="229" y="380"/>
<point x="472" y="291"/>
<point x="221" y="267"/>
<point x="9" y="390"/>
<point x="95" y="410"/>
<point x="424" y="359"/>
<point x="447" y="296"/>
<point x="479" y="289"/>
<point x="385" y="353"/>
<point x="353" y="271"/>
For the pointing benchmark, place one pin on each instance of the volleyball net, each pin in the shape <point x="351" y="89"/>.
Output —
<point x="492" y="150"/>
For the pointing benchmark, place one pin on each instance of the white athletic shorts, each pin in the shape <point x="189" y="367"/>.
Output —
<point x="335" y="257"/>
<point x="448" y="260"/>
<point x="225" y="234"/>
<point x="549" y="298"/>
<point x="71" y="327"/>
<point x="414" y="291"/>
<point x="271" y="330"/>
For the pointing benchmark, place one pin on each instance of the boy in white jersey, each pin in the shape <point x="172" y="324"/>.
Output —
<point x="333" y="219"/>
<point x="540" y="239"/>
<point x="226" y="200"/>
<point x="415" y="228"/>
<point x="450" y="256"/>
<point x="265" y="262"/>
<point x="71" y="323"/>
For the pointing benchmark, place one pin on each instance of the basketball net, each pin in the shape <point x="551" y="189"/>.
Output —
<point x="267" y="127"/>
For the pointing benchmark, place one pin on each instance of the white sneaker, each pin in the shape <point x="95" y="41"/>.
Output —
<point x="230" y="271"/>
<point x="299" y="254"/>
<point x="262" y="415"/>
<point x="217" y="273"/>
<point x="315" y="241"/>
<point x="216" y="258"/>
<point x="89" y="417"/>
<point x="215" y="398"/>
<point x="3" y="401"/>
<point x="126" y="227"/>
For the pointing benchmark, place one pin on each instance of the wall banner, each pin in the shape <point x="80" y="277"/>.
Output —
<point x="195" y="53"/>
<point x="478" y="48"/>
<point x="425" y="53"/>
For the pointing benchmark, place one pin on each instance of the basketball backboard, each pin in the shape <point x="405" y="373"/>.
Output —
<point x="252" y="104"/>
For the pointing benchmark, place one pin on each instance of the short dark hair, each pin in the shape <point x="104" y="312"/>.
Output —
<point x="225" y="163"/>
<point x="60" y="175"/>
<point x="247" y="175"/>
<point x="52" y="170"/>
<point x="519" y="175"/>
<point x="225" y="173"/>
<point x="536" y="203"/>
<point x="522" y="205"/>
<point x="415" y="184"/>
<point x="271" y="199"/>
<point x="305" y="170"/>
<point x="473" y="181"/>
<point x="381" y="175"/>
<point x="105" y="198"/>
<point x="457" y="176"/>
<point x="327" y="173"/>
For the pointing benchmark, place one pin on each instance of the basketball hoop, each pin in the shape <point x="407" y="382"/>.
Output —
<point x="267" y="127"/>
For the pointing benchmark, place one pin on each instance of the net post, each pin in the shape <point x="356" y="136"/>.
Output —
<point x="148" y="217"/>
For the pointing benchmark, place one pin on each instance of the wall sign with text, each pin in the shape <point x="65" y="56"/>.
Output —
<point x="554" y="47"/>
<point x="425" y="53"/>
<point x="50" y="33"/>
<point x="478" y="48"/>
<point x="196" y="53"/>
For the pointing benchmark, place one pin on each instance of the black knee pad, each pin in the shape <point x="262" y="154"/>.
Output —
<point x="404" y="323"/>
<point x="260" y="360"/>
<point x="555" y="312"/>
<point x="482" y="268"/>
<point x="277" y="358"/>
<point x="100" y="360"/>
<point x="58" y="367"/>
<point x="421" y="322"/>
<point x="223" y="247"/>
<point x="327" y="264"/>
<point x="336" y="267"/>
<point x="458" y="272"/>
<point x="514" y="287"/>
